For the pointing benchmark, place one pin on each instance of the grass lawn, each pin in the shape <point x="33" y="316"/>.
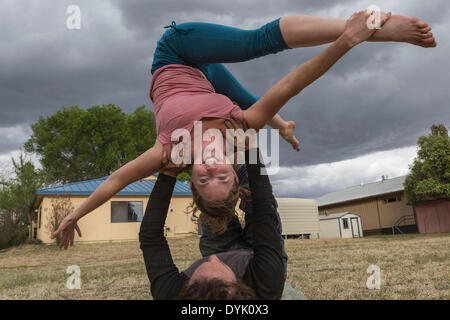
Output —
<point x="413" y="266"/>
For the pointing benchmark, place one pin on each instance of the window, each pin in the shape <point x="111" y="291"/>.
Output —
<point x="40" y="217"/>
<point x="126" y="211"/>
<point x="393" y="199"/>
<point x="345" y="223"/>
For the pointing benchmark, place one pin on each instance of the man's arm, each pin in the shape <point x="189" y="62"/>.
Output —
<point x="265" y="271"/>
<point x="166" y="281"/>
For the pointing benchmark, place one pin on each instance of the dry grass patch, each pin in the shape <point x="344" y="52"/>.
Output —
<point x="412" y="267"/>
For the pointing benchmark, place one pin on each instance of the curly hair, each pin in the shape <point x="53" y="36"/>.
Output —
<point x="215" y="289"/>
<point x="218" y="213"/>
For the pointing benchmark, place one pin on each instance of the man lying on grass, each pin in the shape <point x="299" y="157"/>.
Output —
<point x="236" y="274"/>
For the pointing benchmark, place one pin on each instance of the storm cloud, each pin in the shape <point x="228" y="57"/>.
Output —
<point x="379" y="97"/>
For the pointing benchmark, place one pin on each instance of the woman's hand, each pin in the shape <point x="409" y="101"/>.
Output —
<point x="171" y="169"/>
<point x="67" y="230"/>
<point x="357" y="29"/>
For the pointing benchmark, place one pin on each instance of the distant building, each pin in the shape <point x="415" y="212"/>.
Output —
<point x="341" y="225"/>
<point x="381" y="205"/>
<point x="299" y="217"/>
<point x="119" y="218"/>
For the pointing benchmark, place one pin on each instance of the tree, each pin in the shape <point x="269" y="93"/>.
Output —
<point x="61" y="207"/>
<point x="429" y="177"/>
<point x="17" y="194"/>
<point x="185" y="175"/>
<point x="76" y="144"/>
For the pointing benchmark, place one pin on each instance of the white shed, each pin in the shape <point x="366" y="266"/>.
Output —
<point x="340" y="225"/>
<point x="299" y="217"/>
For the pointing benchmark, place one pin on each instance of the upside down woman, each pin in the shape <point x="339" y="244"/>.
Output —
<point x="190" y="83"/>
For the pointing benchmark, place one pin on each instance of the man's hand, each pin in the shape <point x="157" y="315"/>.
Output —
<point x="357" y="30"/>
<point x="239" y="136"/>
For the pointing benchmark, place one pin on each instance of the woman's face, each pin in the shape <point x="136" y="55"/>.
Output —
<point x="212" y="177"/>
<point x="213" y="181"/>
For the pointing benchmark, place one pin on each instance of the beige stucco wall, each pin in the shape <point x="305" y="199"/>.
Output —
<point x="97" y="226"/>
<point x="367" y="209"/>
<point x="391" y="212"/>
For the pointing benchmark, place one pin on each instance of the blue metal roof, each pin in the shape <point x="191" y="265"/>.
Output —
<point x="138" y="188"/>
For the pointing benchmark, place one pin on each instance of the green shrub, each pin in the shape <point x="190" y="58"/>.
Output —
<point x="19" y="237"/>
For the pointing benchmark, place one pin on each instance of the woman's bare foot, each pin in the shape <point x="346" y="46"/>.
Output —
<point x="288" y="134"/>
<point x="406" y="29"/>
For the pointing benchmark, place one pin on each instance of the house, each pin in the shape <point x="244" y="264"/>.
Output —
<point x="381" y="205"/>
<point x="119" y="218"/>
<point x="341" y="225"/>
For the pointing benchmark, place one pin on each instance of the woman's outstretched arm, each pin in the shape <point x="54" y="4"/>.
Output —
<point x="270" y="103"/>
<point x="141" y="167"/>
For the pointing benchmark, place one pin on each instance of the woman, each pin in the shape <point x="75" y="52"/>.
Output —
<point x="182" y="93"/>
<point x="256" y="270"/>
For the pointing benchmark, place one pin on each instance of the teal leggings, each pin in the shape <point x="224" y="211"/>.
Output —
<point x="206" y="46"/>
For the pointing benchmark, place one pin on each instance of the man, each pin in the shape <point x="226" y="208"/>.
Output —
<point x="237" y="274"/>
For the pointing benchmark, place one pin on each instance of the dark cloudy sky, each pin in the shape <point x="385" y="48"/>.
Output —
<point x="361" y="120"/>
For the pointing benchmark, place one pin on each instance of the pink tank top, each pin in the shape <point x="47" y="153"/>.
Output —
<point x="182" y="95"/>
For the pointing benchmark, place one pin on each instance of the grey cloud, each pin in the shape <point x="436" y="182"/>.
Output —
<point x="378" y="97"/>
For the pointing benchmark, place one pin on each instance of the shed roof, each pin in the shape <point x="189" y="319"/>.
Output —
<point x="363" y="191"/>
<point x="138" y="188"/>
<point x="336" y="215"/>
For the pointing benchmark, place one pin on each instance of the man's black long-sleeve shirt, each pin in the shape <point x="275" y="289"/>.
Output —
<point x="264" y="271"/>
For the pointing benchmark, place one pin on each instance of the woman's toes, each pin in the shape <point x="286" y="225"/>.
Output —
<point x="430" y="45"/>
<point x="427" y="35"/>
<point x="425" y="30"/>
<point x="420" y="23"/>
<point x="428" y="40"/>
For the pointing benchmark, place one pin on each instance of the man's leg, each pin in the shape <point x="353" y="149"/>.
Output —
<point x="306" y="31"/>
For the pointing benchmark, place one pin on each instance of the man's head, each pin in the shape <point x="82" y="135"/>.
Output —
<point x="213" y="268"/>
<point x="214" y="280"/>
